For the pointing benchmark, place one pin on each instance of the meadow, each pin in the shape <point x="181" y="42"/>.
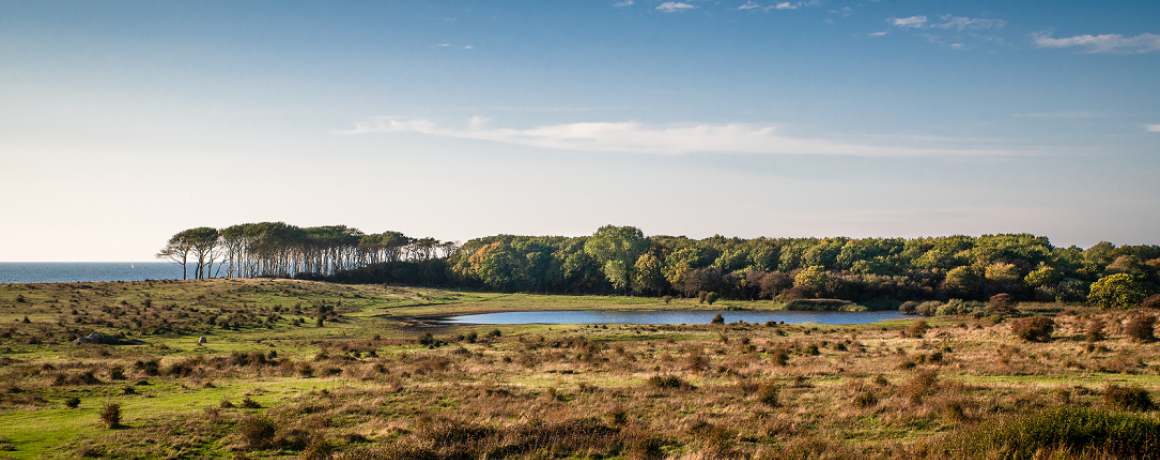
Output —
<point x="300" y="369"/>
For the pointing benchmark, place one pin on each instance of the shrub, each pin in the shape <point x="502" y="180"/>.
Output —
<point x="1065" y="431"/>
<point x="1034" y="329"/>
<point x="1095" y="330"/>
<point x="1142" y="328"/>
<point x="111" y="415"/>
<point x="917" y="329"/>
<point x="929" y="308"/>
<point x="767" y="394"/>
<point x="923" y="384"/>
<point x="250" y="404"/>
<point x="954" y="307"/>
<point x="866" y="399"/>
<point x="1128" y="398"/>
<point x="908" y="308"/>
<point x="73" y="403"/>
<point x="669" y="382"/>
<point x="1001" y="301"/>
<point x="717" y="319"/>
<point x="495" y="333"/>
<point x="258" y="431"/>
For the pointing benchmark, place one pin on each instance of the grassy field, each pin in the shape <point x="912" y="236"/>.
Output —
<point x="295" y="369"/>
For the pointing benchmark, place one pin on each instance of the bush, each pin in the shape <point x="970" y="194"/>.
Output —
<point x="1142" y="328"/>
<point x="669" y="382"/>
<point x="908" y="308"/>
<point x="258" y="431"/>
<point x="111" y="415"/>
<point x="1095" y="330"/>
<point x="250" y="404"/>
<point x="1128" y="398"/>
<point x="917" y="329"/>
<point x="718" y="319"/>
<point x="1034" y="329"/>
<point x="929" y="308"/>
<point x="767" y="394"/>
<point x="1067" y="430"/>
<point x="73" y="403"/>
<point x="954" y="307"/>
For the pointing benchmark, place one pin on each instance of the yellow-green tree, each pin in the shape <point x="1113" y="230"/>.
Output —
<point x="1118" y="291"/>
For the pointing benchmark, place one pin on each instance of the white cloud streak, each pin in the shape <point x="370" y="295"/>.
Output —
<point x="673" y="7"/>
<point x="1154" y="128"/>
<point x="878" y="34"/>
<point x="623" y="4"/>
<point x="951" y="22"/>
<point x="960" y="23"/>
<point x="749" y="6"/>
<point x="1110" y="43"/>
<point x="913" y="21"/>
<point x="634" y="137"/>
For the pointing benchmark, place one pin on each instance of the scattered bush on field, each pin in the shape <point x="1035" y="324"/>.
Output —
<point x="111" y="415"/>
<point x="1141" y="327"/>
<point x="1034" y="329"/>
<point x="1128" y="398"/>
<point x="1056" y="433"/>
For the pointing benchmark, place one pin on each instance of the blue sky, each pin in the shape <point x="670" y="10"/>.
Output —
<point x="124" y="122"/>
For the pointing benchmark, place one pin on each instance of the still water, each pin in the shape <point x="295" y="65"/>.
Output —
<point x="70" y="272"/>
<point x="672" y="317"/>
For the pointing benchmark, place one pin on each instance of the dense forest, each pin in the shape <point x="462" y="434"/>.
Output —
<point x="623" y="260"/>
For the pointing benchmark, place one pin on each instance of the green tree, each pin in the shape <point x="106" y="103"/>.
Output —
<point x="962" y="281"/>
<point x="616" y="249"/>
<point x="1045" y="276"/>
<point x="648" y="275"/>
<point x="1118" y="291"/>
<point x="812" y="279"/>
<point x="177" y="251"/>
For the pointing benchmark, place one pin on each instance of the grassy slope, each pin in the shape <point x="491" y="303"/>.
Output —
<point x="984" y="371"/>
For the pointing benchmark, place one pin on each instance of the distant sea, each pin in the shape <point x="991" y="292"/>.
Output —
<point x="68" y="272"/>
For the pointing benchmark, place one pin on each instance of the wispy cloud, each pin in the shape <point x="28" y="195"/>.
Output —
<point x="1110" y="43"/>
<point x="951" y="22"/>
<point x="442" y="45"/>
<point x="960" y="23"/>
<point x="468" y="47"/>
<point x="1154" y="128"/>
<point x="877" y="34"/>
<point x="634" y="137"/>
<point x="622" y="4"/>
<point x="913" y="21"/>
<point x="673" y="7"/>
<point x="786" y="6"/>
<point x="1070" y="114"/>
<point x="749" y="6"/>
<point x="844" y="11"/>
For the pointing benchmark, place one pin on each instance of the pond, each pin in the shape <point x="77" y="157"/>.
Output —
<point x="672" y="317"/>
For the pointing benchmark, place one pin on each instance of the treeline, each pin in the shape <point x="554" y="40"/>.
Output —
<point x="276" y="249"/>
<point x="623" y="260"/>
